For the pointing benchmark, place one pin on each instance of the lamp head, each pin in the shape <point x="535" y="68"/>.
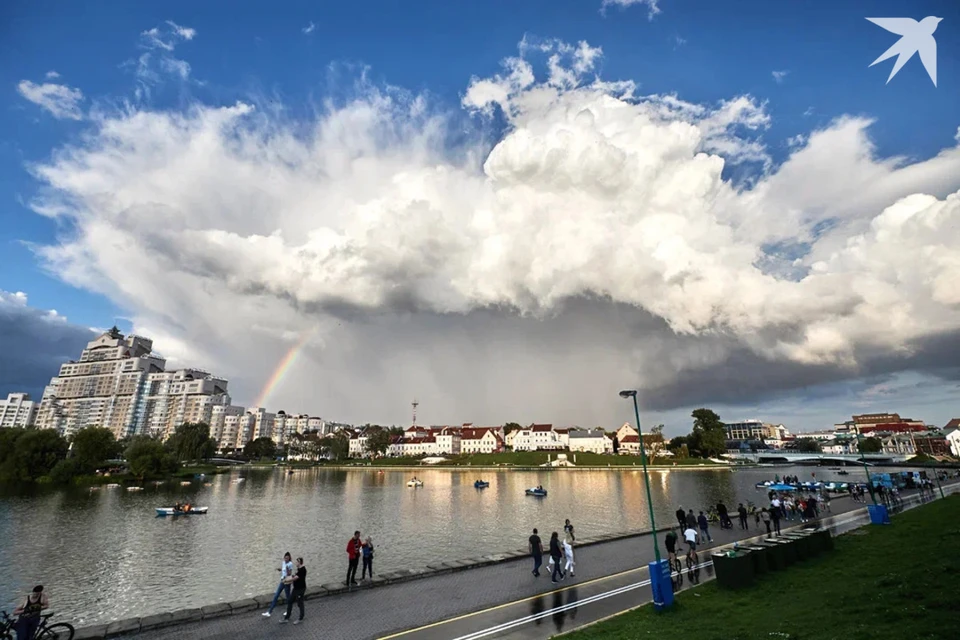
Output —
<point x="628" y="393"/>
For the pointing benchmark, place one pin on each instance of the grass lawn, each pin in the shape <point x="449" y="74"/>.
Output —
<point x="893" y="582"/>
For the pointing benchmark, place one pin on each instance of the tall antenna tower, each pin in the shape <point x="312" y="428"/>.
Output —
<point x="415" y="405"/>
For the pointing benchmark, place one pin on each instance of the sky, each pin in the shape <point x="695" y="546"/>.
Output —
<point x="508" y="211"/>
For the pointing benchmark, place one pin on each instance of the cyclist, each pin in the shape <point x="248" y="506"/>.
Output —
<point x="29" y="612"/>
<point x="692" y="538"/>
<point x="671" y="543"/>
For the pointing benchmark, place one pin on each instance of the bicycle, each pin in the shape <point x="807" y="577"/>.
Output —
<point x="676" y="571"/>
<point x="58" y="631"/>
<point x="693" y="568"/>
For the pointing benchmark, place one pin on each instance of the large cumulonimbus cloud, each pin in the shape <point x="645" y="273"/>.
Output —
<point x="594" y="243"/>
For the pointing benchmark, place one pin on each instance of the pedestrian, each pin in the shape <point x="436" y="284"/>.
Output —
<point x="704" y="527"/>
<point x="765" y="516"/>
<point x="568" y="551"/>
<point x="28" y="613"/>
<point x="826" y="501"/>
<point x="681" y="518"/>
<point x="775" y="516"/>
<point x="725" y="522"/>
<point x="367" y="551"/>
<point x="690" y="520"/>
<point x="299" y="582"/>
<point x="742" y="512"/>
<point x="536" y="552"/>
<point x="286" y="570"/>
<point x="354" y="546"/>
<point x="568" y="530"/>
<point x="556" y="556"/>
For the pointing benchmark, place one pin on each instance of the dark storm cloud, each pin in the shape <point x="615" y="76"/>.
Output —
<point x="33" y="345"/>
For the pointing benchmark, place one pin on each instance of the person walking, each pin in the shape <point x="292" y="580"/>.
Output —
<point x="765" y="517"/>
<point x="354" y="547"/>
<point x="681" y="518"/>
<point x="568" y="530"/>
<point x="556" y="556"/>
<point x="705" y="527"/>
<point x="536" y="552"/>
<point x="742" y="512"/>
<point x="299" y="582"/>
<point x="28" y="620"/>
<point x="690" y="520"/>
<point x="568" y="551"/>
<point x="367" y="551"/>
<point x="775" y="519"/>
<point x="286" y="570"/>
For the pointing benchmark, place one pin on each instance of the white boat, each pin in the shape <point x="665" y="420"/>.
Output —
<point x="112" y="486"/>
<point x="185" y="483"/>
<point x="415" y="483"/>
<point x="238" y="480"/>
<point x="170" y="511"/>
<point x="134" y="488"/>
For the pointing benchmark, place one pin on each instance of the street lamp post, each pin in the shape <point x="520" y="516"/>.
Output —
<point x="863" y="458"/>
<point x="632" y="393"/>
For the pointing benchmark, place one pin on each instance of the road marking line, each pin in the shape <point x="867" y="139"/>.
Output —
<point x="512" y="603"/>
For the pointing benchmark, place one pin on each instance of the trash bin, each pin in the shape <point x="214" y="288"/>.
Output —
<point x="789" y="550"/>
<point x="878" y="514"/>
<point x="758" y="551"/>
<point x="734" y="569"/>
<point x="824" y="539"/>
<point x="776" y="559"/>
<point x="802" y="545"/>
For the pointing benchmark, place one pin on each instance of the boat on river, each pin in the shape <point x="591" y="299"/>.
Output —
<point x="788" y="486"/>
<point x="170" y="511"/>
<point x="537" y="491"/>
<point x="415" y="483"/>
<point x="134" y="488"/>
<point x="481" y="484"/>
<point x="843" y="473"/>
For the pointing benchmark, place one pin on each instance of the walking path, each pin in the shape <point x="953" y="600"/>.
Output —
<point x="394" y="608"/>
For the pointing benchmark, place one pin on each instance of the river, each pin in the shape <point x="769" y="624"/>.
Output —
<point x="103" y="555"/>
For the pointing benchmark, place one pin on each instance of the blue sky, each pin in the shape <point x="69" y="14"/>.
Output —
<point x="300" y="53"/>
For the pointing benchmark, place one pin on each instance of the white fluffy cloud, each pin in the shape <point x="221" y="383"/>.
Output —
<point x="653" y="6"/>
<point x="158" y="45"/>
<point x="61" y="101"/>
<point x="595" y="244"/>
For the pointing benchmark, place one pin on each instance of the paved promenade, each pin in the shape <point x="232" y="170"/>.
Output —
<point x="388" y="609"/>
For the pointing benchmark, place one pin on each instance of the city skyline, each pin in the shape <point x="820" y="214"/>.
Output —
<point x="563" y="200"/>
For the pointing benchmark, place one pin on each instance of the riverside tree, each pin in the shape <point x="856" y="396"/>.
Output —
<point x="260" y="448"/>
<point x="29" y="454"/>
<point x="191" y="441"/>
<point x="378" y="441"/>
<point x="147" y="457"/>
<point x="92" y="446"/>
<point x="709" y="436"/>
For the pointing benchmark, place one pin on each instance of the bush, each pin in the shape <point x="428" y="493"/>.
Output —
<point x="65" y="471"/>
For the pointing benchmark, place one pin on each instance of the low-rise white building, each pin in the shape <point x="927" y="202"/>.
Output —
<point x="538" y="437"/>
<point x="952" y="433"/>
<point x="18" y="410"/>
<point x="480" y="440"/>
<point x="592" y="441"/>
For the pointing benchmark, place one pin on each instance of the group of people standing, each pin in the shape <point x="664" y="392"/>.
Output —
<point x="357" y="550"/>
<point x="561" y="553"/>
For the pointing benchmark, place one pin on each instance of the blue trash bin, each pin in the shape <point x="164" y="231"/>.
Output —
<point x="878" y="514"/>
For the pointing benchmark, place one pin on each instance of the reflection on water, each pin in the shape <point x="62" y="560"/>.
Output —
<point x="103" y="555"/>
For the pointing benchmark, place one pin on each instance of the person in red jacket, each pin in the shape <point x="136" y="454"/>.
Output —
<point x="354" y="547"/>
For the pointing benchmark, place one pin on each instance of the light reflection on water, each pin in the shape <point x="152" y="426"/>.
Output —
<point x="103" y="555"/>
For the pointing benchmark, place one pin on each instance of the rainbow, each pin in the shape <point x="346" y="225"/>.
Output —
<point x="285" y="364"/>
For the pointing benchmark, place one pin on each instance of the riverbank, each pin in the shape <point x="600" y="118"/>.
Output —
<point x="527" y="460"/>
<point x="880" y="582"/>
<point x="425" y="596"/>
<point x="611" y="548"/>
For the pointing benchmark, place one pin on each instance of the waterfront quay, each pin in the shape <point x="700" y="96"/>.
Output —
<point x="455" y="598"/>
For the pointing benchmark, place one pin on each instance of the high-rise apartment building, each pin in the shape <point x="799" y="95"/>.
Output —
<point x="118" y="384"/>
<point x="174" y="397"/>
<point x="18" y="410"/>
<point x="103" y="387"/>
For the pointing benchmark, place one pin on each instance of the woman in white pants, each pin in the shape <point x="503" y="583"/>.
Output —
<point x="568" y="552"/>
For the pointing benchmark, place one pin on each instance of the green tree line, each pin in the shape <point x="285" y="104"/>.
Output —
<point x="31" y="455"/>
